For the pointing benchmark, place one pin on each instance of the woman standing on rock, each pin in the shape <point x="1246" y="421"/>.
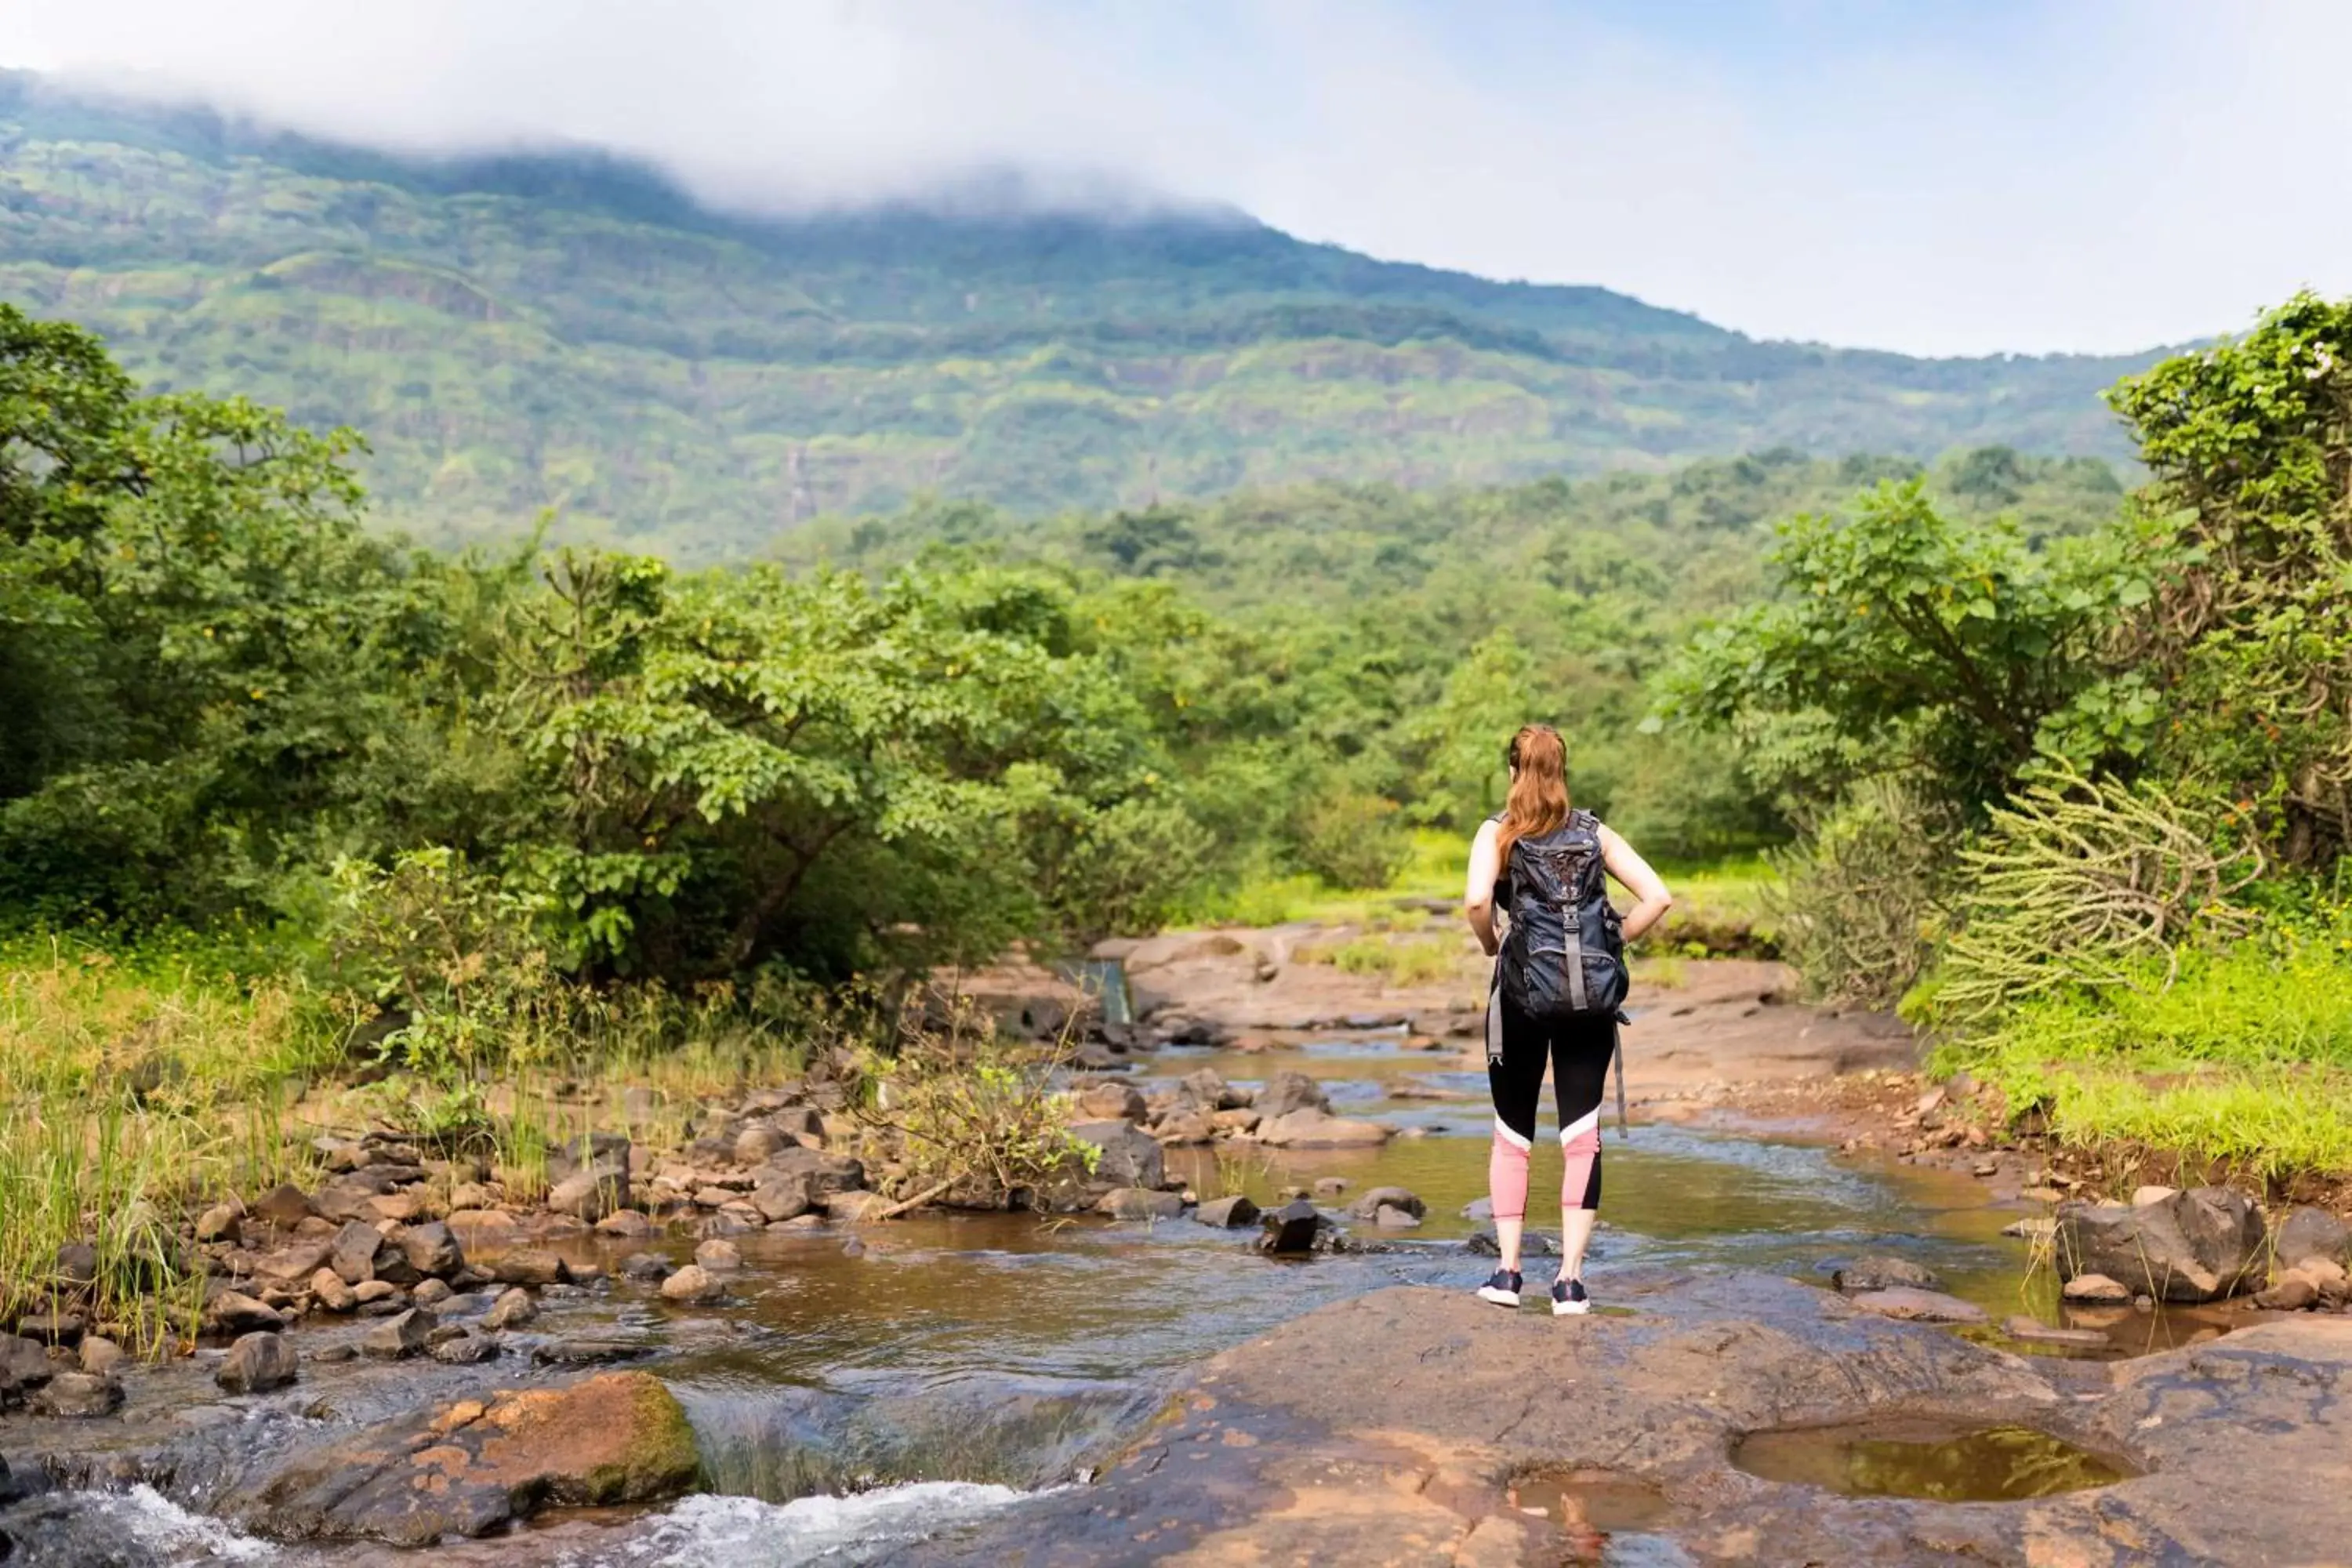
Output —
<point x="1558" y="981"/>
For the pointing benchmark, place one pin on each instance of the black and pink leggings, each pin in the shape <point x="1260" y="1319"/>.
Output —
<point x="1517" y="1048"/>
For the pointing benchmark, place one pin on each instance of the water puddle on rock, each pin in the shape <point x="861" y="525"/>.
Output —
<point x="1920" y="1459"/>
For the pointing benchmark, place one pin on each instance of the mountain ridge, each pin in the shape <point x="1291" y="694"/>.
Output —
<point x="523" y="331"/>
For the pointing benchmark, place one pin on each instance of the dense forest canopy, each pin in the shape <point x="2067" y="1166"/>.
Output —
<point x="572" y="333"/>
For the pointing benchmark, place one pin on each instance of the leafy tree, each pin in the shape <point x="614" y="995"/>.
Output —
<point x="1920" y="644"/>
<point x="199" y="646"/>
<point x="2251" y="444"/>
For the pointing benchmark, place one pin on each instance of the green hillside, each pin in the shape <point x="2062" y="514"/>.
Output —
<point x="515" y="335"/>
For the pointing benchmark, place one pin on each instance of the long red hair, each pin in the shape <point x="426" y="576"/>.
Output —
<point x="1538" y="803"/>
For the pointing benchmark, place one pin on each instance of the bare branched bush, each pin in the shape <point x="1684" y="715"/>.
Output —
<point x="976" y="1116"/>
<point x="2089" y="882"/>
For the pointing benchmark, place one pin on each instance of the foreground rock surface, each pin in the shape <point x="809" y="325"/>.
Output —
<point x="472" y="1466"/>
<point x="1319" y="1443"/>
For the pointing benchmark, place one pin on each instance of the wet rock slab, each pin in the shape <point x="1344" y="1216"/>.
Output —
<point x="1389" y="1429"/>
<point x="471" y="1466"/>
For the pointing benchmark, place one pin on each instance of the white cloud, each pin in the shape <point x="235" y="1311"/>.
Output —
<point x="2100" y="176"/>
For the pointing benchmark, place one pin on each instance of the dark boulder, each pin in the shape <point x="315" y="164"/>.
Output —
<point x="1290" y="1230"/>
<point x="2197" y="1245"/>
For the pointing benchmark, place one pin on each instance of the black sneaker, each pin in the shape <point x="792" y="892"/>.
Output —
<point x="1569" y="1300"/>
<point x="1503" y="1289"/>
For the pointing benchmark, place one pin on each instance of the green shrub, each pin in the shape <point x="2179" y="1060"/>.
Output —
<point x="1857" y="909"/>
<point x="1353" y="839"/>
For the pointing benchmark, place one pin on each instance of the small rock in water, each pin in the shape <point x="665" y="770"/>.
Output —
<point x="587" y="1352"/>
<point x="642" y="1266"/>
<point x="334" y="1353"/>
<point x="719" y="1255"/>
<point x="80" y="1393"/>
<point x="627" y="1224"/>
<point x="2032" y="1331"/>
<point x="1479" y="1209"/>
<point x="1879" y="1272"/>
<point x="1290" y="1230"/>
<point x="100" y="1355"/>
<point x="431" y="1292"/>
<point x="1388" y="1216"/>
<point x="528" y="1266"/>
<point x="465" y="1349"/>
<point x="257" y="1364"/>
<point x="2034" y="1227"/>
<point x="1227" y="1212"/>
<point x="235" y="1312"/>
<point x="1404" y="1198"/>
<point x="1136" y="1204"/>
<point x="513" y="1309"/>
<point x="1919" y="1306"/>
<point x="2096" y="1289"/>
<point x="1485" y="1243"/>
<point x="692" y="1284"/>
<point x="398" y="1338"/>
<point x="1331" y="1186"/>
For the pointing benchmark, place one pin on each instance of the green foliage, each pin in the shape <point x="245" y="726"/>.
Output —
<point x="1916" y="641"/>
<point x="199" y="648"/>
<point x="2251" y="444"/>
<point x="531" y="333"/>
<point x="1353" y="839"/>
<point x="2244" y="1057"/>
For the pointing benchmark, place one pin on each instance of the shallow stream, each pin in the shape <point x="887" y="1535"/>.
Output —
<point x="947" y="1365"/>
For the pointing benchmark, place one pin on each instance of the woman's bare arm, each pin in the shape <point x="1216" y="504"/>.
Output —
<point x="1478" y="896"/>
<point x="1652" y="898"/>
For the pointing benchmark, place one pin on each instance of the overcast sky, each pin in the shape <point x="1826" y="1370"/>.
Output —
<point x="1939" y="176"/>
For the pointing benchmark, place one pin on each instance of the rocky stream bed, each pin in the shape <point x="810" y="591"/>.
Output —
<point x="1803" y="1353"/>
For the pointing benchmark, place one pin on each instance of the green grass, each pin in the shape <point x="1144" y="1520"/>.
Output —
<point x="2246" y="1060"/>
<point x="130" y="1085"/>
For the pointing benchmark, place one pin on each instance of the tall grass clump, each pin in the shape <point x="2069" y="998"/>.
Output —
<point x="130" y="1086"/>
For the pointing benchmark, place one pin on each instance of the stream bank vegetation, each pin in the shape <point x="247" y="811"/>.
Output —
<point x="2085" y="805"/>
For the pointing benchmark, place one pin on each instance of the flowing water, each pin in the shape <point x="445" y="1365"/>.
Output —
<point x="991" y="1355"/>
